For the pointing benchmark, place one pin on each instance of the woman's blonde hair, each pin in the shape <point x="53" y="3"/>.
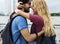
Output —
<point x="42" y="10"/>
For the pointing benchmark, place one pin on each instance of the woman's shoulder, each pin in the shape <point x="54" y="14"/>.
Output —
<point x="36" y="19"/>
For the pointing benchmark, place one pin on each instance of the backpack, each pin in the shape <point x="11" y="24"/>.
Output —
<point x="44" y="39"/>
<point x="7" y="33"/>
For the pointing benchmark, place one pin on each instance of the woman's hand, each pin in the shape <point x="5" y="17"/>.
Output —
<point x="42" y="30"/>
<point x="17" y="11"/>
<point x="19" y="8"/>
<point x="19" y="5"/>
<point x="22" y="13"/>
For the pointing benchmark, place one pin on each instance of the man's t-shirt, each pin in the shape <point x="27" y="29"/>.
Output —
<point x="19" y="23"/>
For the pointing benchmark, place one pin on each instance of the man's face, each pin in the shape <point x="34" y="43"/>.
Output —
<point x="27" y="6"/>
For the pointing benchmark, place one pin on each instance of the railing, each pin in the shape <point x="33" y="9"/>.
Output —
<point x="57" y="26"/>
<point x="2" y="26"/>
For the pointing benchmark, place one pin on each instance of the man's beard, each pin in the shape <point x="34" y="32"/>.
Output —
<point x="26" y="10"/>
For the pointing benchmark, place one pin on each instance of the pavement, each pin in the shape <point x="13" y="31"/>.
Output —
<point x="0" y="39"/>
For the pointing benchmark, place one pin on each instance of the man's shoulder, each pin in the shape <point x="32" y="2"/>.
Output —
<point x="20" y="18"/>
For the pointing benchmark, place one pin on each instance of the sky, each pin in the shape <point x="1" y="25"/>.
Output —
<point x="54" y="6"/>
<point x="2" y="5"/>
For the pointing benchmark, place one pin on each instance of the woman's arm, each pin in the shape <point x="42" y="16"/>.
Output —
<point x="33" y="18"/>
<point x="22" y="13"/>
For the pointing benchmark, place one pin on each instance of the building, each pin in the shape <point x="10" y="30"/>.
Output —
<point x="7" y="6"/>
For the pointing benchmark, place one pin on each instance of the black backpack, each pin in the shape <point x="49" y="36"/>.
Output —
<point x="7" y="33"/>
<point x="45" y="39"/>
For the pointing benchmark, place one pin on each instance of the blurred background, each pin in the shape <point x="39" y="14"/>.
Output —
<point x="7" y="7"/>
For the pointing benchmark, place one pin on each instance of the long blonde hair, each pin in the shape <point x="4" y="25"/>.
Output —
<point x="42" y="10"/>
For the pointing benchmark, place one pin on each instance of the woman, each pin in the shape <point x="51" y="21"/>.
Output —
<point x="40" y="10"/>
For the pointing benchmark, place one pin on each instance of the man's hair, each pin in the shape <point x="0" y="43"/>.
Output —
<point x="24" y="1"/>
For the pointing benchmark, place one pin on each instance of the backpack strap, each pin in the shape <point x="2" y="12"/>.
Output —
<point x="11" y="29"/>
<point x="35" y="31"/>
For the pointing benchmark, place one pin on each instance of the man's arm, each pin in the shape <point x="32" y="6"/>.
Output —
<point x="30" y="37"/>
<point x="23" y="28"/>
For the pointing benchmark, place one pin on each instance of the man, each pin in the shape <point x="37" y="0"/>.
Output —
<point x="20" y="27"/>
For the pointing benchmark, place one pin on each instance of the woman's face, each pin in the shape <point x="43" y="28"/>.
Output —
<point x="32" y="6"/>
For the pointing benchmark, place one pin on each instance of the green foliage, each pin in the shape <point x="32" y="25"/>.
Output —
<point x="55" y="14"/>
<point x="52" y="14"/>
<point x="1" y="14"/>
